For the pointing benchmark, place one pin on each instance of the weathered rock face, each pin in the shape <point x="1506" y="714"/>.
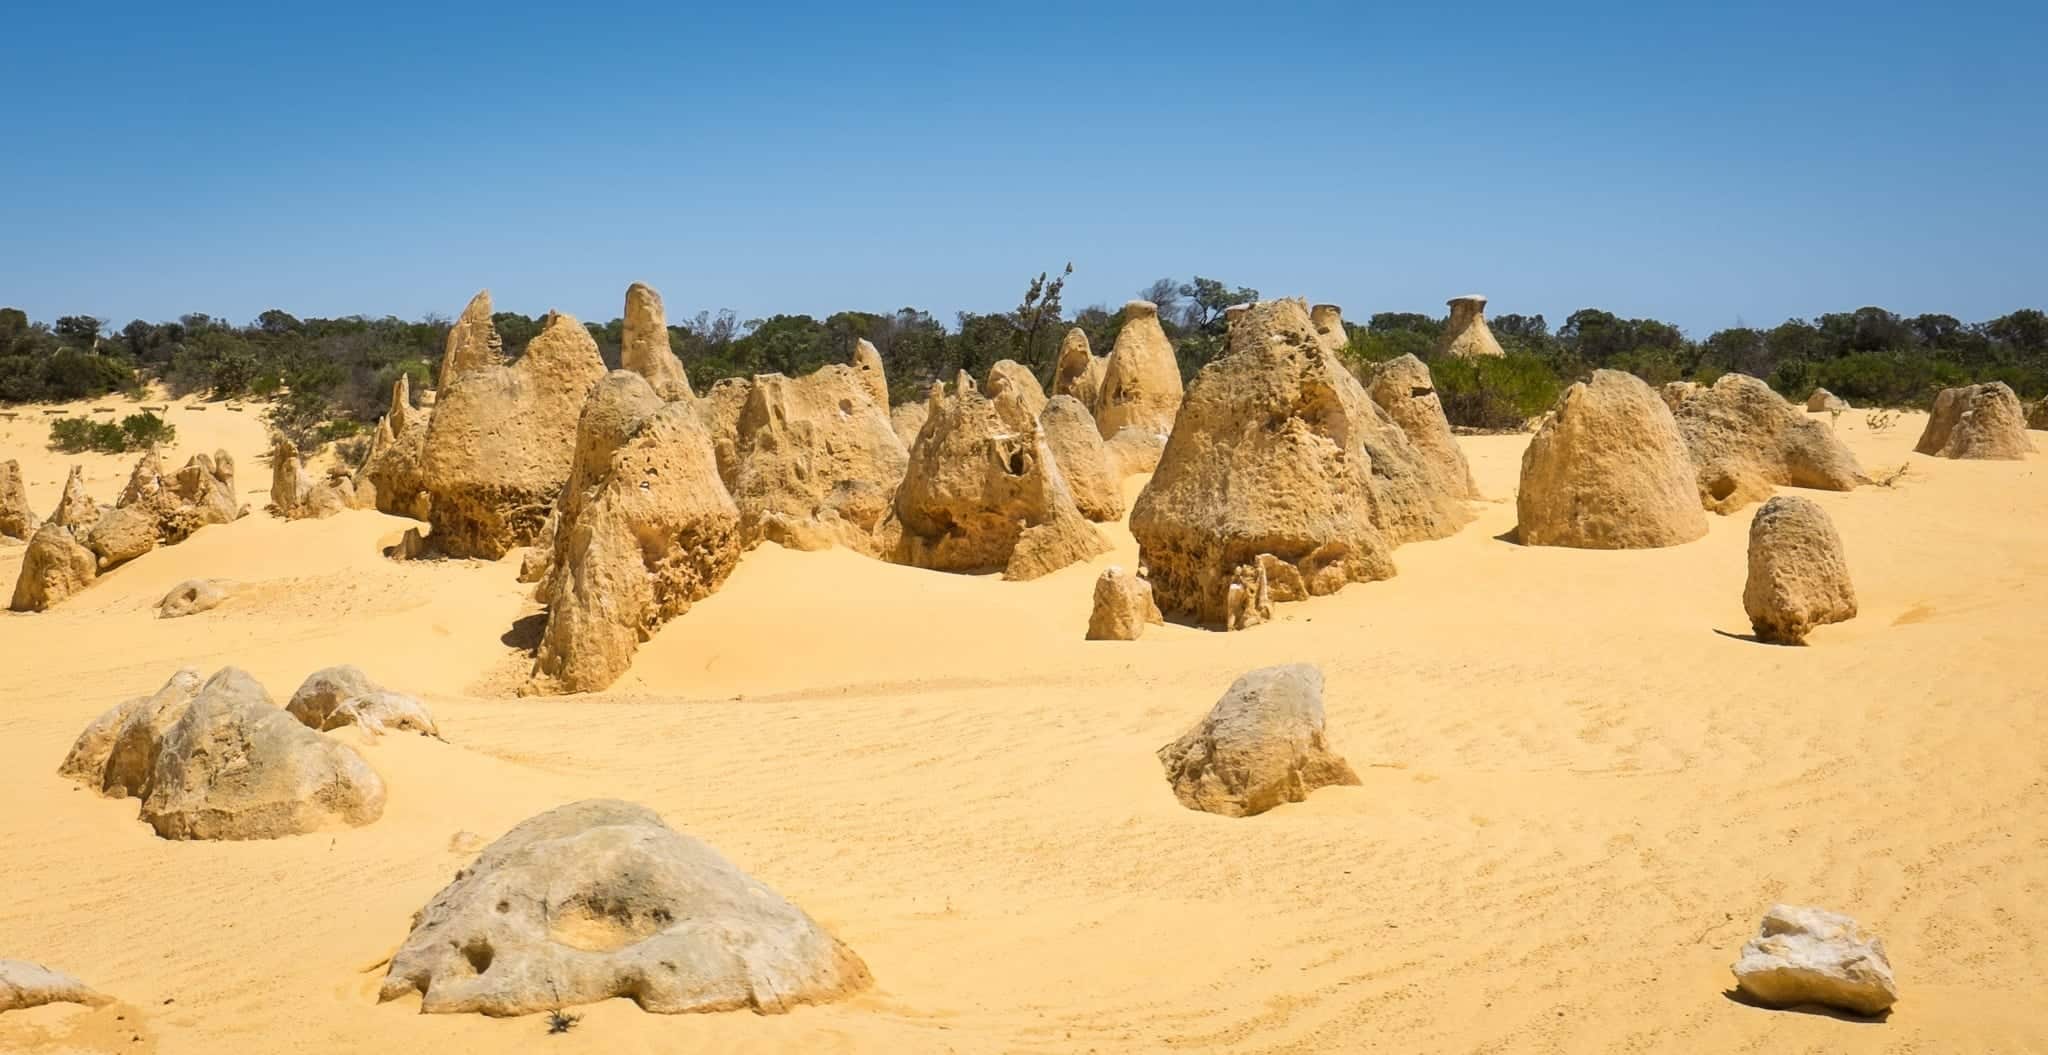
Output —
<point x="499" y="444"/>
<point x="76" y="510"/>
<point x="1798" y="577"/>
<point x="25" y="985"/>
<point x="600" y="899"/>
<point x="1823" y="401"/>
<point x="1123" y="605"/>
<point x="1261" y="745"/>
<point x="2037" y="415"/>
<point x="1009" y="375"/>
<point x="1328" y="320"/>
<point x="867" y="362"/>
<point x="293" y="493"/>
<point x="1279" y="450"/>
<point x="721" y="409"/>
<point x="123" y="534"/>
<point x="202" y="493"/>
<point x="908" y="420"/>
<point x="1134" y="451"/>
<point x="1810" y="956"/>
<point x="1084" y="461"/>
<point x="1403" y="388"/>
<point x="473" y="342"/>
<point x="17" y="520"/>
<point x="341" y="696"/>
<point x="192" y="597"/>
<point x="1079" y="370"/>
<point x="644" y="346"/>
<point x="55" y="567"/>
<point x="393" y="476"/>
<point x="647" y="531"/>
<point x="816" y="460"/>
<point x="1141" y="386"/>
<point x="1466" y="334"/>
<point x="219" y="760"/>
<point x="983" y="492"/>
<point x="1609" y="470"/>
<point x="1744" y="438"/>
<point x="1976" y="421"/>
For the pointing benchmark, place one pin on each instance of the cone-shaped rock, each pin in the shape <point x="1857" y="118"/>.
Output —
<point x="1609" y="470"/>
<point x="983" y="492"/>
<point x="1010" y="375"/>
<point x="1079" y="370"/>
<point x="473" y="342"/>
<point x="1083" y="459"/>
<point x="55" y="566"/>
<point x="1141" y="386"/>
<point x="17" y="520"/>
<point x="76" y="509"/>
<point x="499" y="444"/>
<point x="1404" y="389"/>
<point x="1278" y="450"/>
<point x="644" y="530"/>
<point x="1976" y="421"/>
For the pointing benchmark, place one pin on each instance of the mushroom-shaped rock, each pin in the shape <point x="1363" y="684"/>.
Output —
<point x="1261" y="745"/>
<point x="815" y="460"/>
<point x="1820" y="400"/>
<point x="392" y="476"/>
<point x="334" y="697"/>
<point x="1805" y="956"/>
<point x="499" y="445"/>
<point x="1083" y="459"/>
<point x="24" y="985"/>
<point x="1328" y="320"/>
<point x="224" y="762"/>
<point x="1466" y="334"/>
<point x="473" y="342"/>
<point x="17" y="520"/>
<point x="1976" y="421"/>
<point x="55" y="566"/>
<point x="1609" y="470"/>
<point x="983" y="492"/>
<point x="600" y="899"/>
<point x="1078" y="372"/>
<point x="76" y="509"/>
<point x="1010" y="375"/>
<point x="1141" y="387"/>
<point x="1404" y="389"/>
<point x="1123" y="605"/>
<point x="1798" y="577"/>
<point x="647" y="531"/>
<point x="644" y="345"/>
<point x="1279" y="450"/>
<point x="1744" y="438"/>
<point x="192" y="597"/>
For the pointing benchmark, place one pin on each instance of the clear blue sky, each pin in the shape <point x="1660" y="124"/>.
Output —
<point x="1706" y="163"/>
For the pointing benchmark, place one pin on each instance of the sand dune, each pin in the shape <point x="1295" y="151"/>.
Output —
<point x="1581" y="787"/>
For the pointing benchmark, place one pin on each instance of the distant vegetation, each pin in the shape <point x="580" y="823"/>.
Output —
<point x="135" y="432"/>
<point x="330" y="378"/>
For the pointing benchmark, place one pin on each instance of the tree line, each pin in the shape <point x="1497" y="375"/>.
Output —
<point x="330" y="379"/>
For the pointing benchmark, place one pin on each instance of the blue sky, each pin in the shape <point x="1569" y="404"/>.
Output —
<point x="1707" y="164"/>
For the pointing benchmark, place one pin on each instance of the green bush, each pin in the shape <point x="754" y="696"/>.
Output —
<point x="76" y="435"/>
<point x="1495" y="393"/>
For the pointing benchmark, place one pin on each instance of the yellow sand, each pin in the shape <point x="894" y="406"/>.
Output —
<point x="1582" y="787"/>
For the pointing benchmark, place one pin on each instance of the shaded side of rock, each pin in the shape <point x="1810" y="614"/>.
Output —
<point x="1083" y="459"/>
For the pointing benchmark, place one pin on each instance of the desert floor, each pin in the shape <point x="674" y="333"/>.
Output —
<point x="1582" y="787"/>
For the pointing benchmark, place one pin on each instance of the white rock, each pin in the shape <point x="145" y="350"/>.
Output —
<point x="1807" y="955"/>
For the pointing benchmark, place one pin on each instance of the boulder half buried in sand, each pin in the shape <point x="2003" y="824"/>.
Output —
<point x="1744" y="439"/>
<point x="600" y="899"/>
<point x="1262" y="744"/>
<point x="1812" y="957"/>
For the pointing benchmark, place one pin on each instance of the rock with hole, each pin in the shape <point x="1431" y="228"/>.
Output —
<point x="601" y="899"/>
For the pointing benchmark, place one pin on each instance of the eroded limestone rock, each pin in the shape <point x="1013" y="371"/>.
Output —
<point x="1262" y="744"/>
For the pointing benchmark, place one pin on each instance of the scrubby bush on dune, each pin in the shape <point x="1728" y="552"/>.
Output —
<point x="136" y="432"/>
